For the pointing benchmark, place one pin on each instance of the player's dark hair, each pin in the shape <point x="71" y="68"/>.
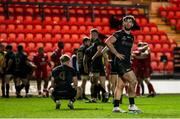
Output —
<point x="60" y="44"/>
<point x="85" y="39"/>
<point x="20" y="48"/>
<point x="94" y="30"/>
<point x="64" y="58"/>
<point x="9" y="47"/>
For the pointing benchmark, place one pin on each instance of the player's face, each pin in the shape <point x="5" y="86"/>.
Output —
<point x="94" y="35"/>
<point x="88" y="43"/>
<point x="128" y="23"/>
<point x="69" y="63"/>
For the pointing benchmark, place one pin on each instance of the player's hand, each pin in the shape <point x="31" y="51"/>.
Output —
<point x="120" y="56"/>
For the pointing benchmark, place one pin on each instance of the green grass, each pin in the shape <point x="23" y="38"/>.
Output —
<point x="162" y="106"/>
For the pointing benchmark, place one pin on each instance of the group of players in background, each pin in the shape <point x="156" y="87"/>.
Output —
<point x="97" y="60"/>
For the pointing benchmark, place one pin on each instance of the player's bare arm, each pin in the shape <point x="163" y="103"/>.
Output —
<point x="85" y="63"/>
<point x="75" y="82"/>
<point x="109" y="42"/>
<point x="98" y="53"/>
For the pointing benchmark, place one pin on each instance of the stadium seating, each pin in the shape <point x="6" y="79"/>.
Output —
<point x="27" y="28"/>
<point x="171" y="14"/>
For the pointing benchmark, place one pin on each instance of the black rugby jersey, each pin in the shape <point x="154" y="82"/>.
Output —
<point x="124" y="44"/>
<point x="63" y="75"/>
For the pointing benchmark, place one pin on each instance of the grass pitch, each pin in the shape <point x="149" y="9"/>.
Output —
<point x="161" y="106"/>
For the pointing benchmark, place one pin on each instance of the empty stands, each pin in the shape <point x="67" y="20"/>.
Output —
<point x="26" y="27"/>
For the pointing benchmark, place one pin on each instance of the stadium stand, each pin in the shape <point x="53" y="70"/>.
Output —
<point x="171" y="14"/>
<point x="71" y="23"/>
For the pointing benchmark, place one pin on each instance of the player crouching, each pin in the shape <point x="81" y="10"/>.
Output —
<point x="64" y="83"/>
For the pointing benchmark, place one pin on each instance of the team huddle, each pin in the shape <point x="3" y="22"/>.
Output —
<point x="98" y="59"/>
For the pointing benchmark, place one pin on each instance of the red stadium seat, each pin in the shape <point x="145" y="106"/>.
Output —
<point x="12" y="37"/>
<point x="169" y="55"/>
<point x="48" y="47"/>
<point x="172" y="22"/>
<point x="163" y="13"/>
<point x="166" y="48"/>
<point x="20" y="37"/>
<point x="147" y="38"/>
<point x="65" y="29"/>
<point x="72" y="20"/>
<point x="14" y="45"/>
<point x="170" y="14"/>
<point x="38" y="29"/>
<point x="88" y="21"/>
<point x="57" y="37"/>
<point x="161" y="66"/>
<point x="105" y="22"/>
<point x="29" y="10"/>
<point x="82" y="29"/>
<point x="154" y="29"/>
<point x="169" y="66"/>
<point x="135" y="12"/>
<point x="38" y="37"/>
<point x="151" y="46"/>
<point x="68" y="53"/>
<point x="76" y="45"/>
<point x="48" y="28"/>
<point x="154" y="66"/>
<point x="106" y="30"/>
<point x="20" y="28"/>
<point x="163" y="39"/>
<point x="31" y="55"/>
<point x="67" y="47"/>
<point x="18" y="10"/>
<point x="143" y="21"/>
<point x="3" y="37"/>
<point x="47" y="37"/>
<point x="158" y="55"/>
<point x="3" y="27"/>
<point x="56" y="19"/>
<point x="173" y="45"/>
<point x="153" y="56"/>
<point x="31" y="47"/>
<point x="55" y="11"/>
<point x="74" y="29"/>
<point x="28" y="19"/>
<point x="48" y="20"/>
<point x="56" y="29"/>
<point x="2" y="18"/>
<point x="67" y="38"/>
<point x="140" y="38"/>
<point x="177" y="14"/>
<point x="11" y="28"/>
<point x="155" y="39"/>
<point x="146" y="29"/>
<point x="19" y="19"/>
<point x="97" y="21"/>
<point x="39" y="45"/>
<point x="75" y="38"/>
<point x="29" y="37"/>
<point x="80" y="20"/>
<point x="29" y="29"/>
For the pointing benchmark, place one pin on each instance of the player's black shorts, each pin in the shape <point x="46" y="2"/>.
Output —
<point x="100" y="70"/>
<point x="113" y="68"/>
<point x="20" y="74"/>
<point x="64" y="94"/>
<point x="122" y="67"/>
<point x="81" y="71"/>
